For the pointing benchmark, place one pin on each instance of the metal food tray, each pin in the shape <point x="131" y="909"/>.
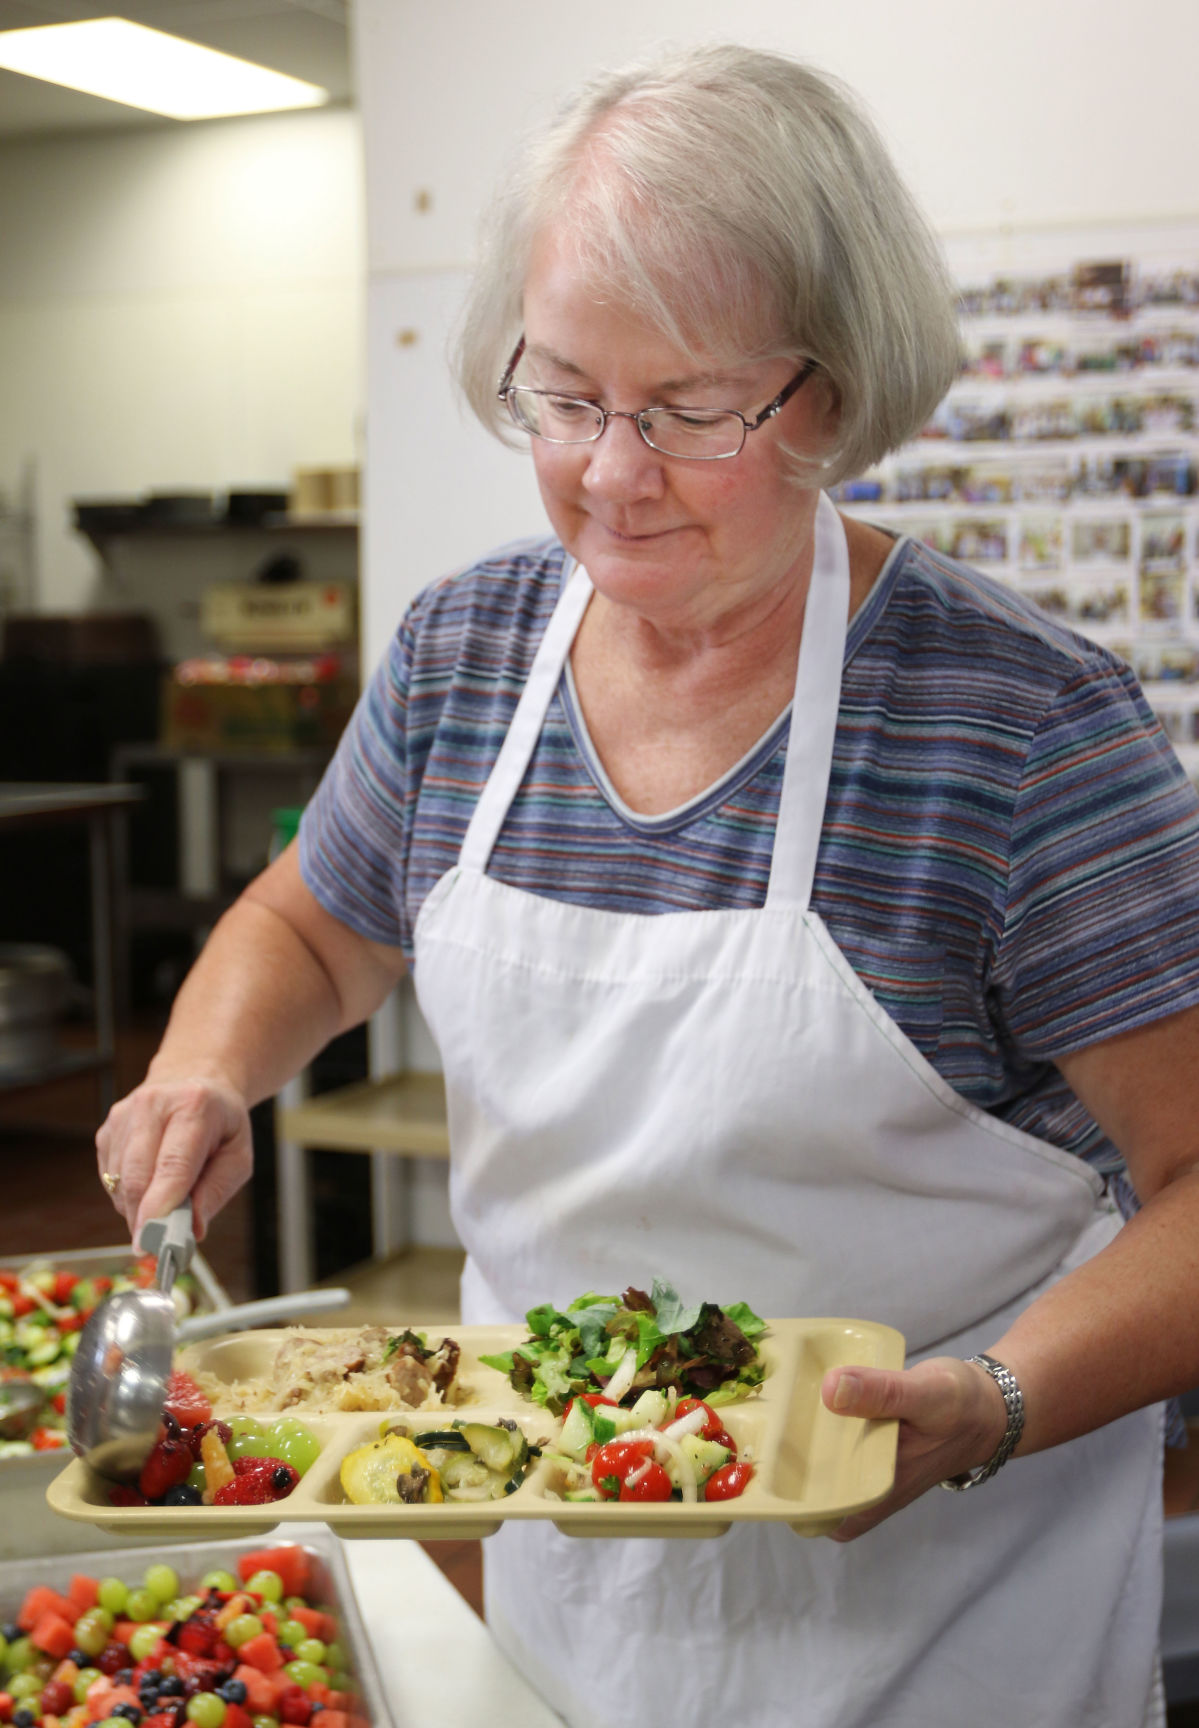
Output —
<point x="812" y="1468"/>
<point x="25" y="1525"/>
<point x="89" y="1261"/>
<point x="331" y="1589"/>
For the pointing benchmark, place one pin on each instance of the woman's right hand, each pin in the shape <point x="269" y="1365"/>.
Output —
<point x="171" y="1138"/>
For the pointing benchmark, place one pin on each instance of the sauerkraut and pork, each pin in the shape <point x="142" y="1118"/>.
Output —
<point x="366" y="1368"/>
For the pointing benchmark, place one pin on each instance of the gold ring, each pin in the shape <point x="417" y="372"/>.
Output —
<point x="111" y="1182"/>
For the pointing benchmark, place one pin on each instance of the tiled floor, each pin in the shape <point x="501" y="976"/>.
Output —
<point x="51" y="1201"/>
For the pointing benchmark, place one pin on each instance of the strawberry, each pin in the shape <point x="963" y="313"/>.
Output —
<point x="170" y="1462"/>
<point x="257" y="1481"/>
<point x="120" y="1495"/>
<point x="198" y="1636"/>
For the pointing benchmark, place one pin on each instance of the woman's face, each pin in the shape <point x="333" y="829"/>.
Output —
<point x="685" y="544"/>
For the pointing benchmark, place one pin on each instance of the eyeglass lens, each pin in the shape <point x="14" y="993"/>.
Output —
<point x="673" y="431"/>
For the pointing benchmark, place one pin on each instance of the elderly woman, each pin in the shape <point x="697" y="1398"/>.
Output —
<point x="799" y="915"/>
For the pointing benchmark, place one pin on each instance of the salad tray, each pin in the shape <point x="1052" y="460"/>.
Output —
<point x="330" y="1579"/>
<point x="811" y="1468"/>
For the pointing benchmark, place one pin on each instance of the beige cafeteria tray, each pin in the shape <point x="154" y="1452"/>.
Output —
<point x="811" y="1468"/>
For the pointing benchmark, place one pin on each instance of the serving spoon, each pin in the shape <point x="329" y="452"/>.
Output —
<point x="122" y="1367"/>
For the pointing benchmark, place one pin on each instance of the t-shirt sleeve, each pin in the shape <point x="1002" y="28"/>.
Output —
<point x="1101" y="933"/>
<point x="354" y="833"/>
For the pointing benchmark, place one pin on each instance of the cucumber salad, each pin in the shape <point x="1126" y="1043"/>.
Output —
<point x="662" y="1448"/>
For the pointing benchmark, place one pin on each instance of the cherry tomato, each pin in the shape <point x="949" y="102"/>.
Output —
<point x="727" y="1482"/>
<point x="592" y="1398"/>
<point x="64" y="1283"/>
<point x="614" y="1461"/>
<point x="647" y="1482"/>
<point x="722" y="1437"/>
<point x="712" y="1424"/>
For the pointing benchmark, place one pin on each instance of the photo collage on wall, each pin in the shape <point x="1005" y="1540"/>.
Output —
<point x="1065" y="459"/>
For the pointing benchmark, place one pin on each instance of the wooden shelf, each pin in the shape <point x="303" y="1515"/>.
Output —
<point x="403" y="1113"/>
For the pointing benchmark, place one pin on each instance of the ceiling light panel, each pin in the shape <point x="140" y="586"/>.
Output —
<point x="148" y="69"/>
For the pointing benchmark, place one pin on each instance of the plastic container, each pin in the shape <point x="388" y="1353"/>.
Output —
<point x="812" y="1469"/>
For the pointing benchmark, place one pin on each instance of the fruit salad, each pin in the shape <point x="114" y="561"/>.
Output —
<point x="246" y="1651"/>
<point x="43" y="1309"/>
<point x="198" y="1461"/>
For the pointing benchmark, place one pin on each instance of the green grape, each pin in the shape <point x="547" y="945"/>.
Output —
<point x="265" y="1721"/>
<point x="248" y="1441"/>
<point x="266" y="1584"/>
<point x="142" y="1641"/>
<point x="206" y="1710"/>
<point x="241" y="1629"/>
<point x="3" y="1650"/>
<point x="105" y="1615"/>
<point x="290" y="1602"/>
<point x="86" y="1677"/>
<point x="142" y="1605"/>
<point x="162" y="1582"/>
<point x="196" y="1477"/>
<point x="335" y="1655"/>
<point x="21" y="1655"/>
<point x="292" y="1633"/>
<point x="27" y="1685"/>
<point x="91" y="1634"/>
<point x="306" y="1673"/>
<point x="340" y="1682"/>
<point x="114" y="1593"/>
<point x="217" y="1580"/>
<point x="296" y="1446"/>
<point x="311" y="1650"/>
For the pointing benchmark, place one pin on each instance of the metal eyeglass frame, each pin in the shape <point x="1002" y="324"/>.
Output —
<point x="636" y="415"/>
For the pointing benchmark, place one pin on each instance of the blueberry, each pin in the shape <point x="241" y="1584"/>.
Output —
<point x="182" y="1494"/>
<point x="152" y="1677"/>
<point x="23" y="1719"/>
<point x="129" y="1711"/>
<point x="10" y="1632"/>
<point x="233" y="1691"/>
<point x="79" y="1658"/>
<point x="281" y="1478"/>
<point x="123" y="1677"/>
<point x="172" y="1687"/>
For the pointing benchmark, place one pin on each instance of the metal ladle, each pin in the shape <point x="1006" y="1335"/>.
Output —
<point x="121" y="1369"/>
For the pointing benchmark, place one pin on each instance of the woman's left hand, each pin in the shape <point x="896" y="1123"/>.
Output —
<point x="951" y="1419"/>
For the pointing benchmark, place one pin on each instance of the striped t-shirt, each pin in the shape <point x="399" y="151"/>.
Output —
<point x="1010" y="851"/>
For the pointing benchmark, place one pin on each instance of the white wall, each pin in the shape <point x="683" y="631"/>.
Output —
<point x="180" y="308"/>
<point x="1000" y="117"/>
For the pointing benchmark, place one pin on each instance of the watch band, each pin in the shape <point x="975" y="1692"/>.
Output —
<point x="1013" y="1400"/>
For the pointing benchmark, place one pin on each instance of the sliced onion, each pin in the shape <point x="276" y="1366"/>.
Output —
<point x="623" y="1377"/>
<point x="685" y="1467"/>
<point x="691" y="1423"/>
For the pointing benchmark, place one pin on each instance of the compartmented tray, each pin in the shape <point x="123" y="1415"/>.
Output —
<point x="331" y="1587"/>
<point x="811" y="1468"/>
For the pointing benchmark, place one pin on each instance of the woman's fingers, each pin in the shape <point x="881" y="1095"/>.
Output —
<point x="950" y="1414"/>
<point x="168" y="1140"/>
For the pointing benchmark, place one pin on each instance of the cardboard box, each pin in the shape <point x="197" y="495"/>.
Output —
<point x="292" y="617"/>
<point x="221" y="717"/>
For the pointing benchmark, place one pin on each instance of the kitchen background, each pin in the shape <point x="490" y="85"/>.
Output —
<point x="189" y="311"/>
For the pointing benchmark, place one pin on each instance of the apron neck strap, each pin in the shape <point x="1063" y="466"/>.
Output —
<point x="813" y="716"/>
<point x="809" y="745"/>
<point x="521" y="738"/>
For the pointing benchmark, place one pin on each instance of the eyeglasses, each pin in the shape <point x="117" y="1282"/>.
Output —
<point x="696" y="434"/>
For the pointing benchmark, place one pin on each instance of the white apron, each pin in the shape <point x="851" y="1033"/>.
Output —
<point x="715" y="1097"/>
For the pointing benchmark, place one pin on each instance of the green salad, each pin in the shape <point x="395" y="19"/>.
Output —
<point x="618" y="1346"/>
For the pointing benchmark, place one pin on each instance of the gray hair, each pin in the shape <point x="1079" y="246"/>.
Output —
<point x="745" y="205"/>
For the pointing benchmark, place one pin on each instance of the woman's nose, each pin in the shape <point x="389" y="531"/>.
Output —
<point x="620" y="464"/>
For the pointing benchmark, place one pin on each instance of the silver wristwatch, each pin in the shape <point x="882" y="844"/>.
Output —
<point x="1013" y="1400"/>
